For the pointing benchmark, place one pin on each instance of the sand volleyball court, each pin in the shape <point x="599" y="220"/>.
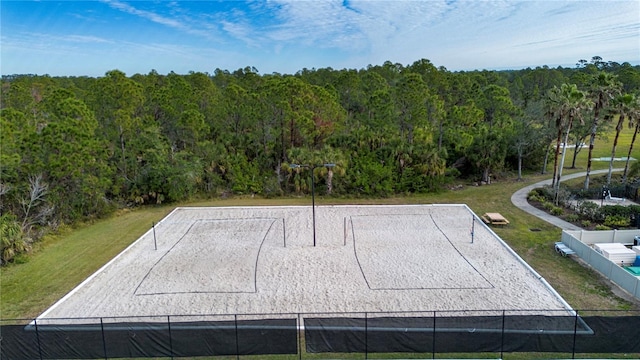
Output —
<point x="261" y="260"/>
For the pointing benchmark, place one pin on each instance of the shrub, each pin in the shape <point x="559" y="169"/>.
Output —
<point x="564" y="195"/>
<point x="585" y="223"/>
<point x="542" y="194"/>
<point x="271" y="187"/>
<point x="537" y="191"/>
<point x="588" y="210"/>
<point x="548" y="205"/>
<point x="557" y="211"/>
<point x="533" y="196"/>
<point x="452" y="173"/>
<point x="573" y="218"/>
<point x="13" y="241"/>
<point x="634" y="209"/>
<point x="614" y="210"/>
<point x="617" y="221"/>
<point x="546" y="192"/>
<point x="602" y="227"/>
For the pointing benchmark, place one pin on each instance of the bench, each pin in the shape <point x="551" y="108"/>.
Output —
<point x="494" y="219"/>
<point x="563" y="249"/>
<point x="612" y="198"/>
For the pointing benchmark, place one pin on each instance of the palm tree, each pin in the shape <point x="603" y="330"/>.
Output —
<point x="12" y="239"/>
<point x="626" y="106"/>
<point x="604" y="87"/>
<point x="565" y="106"/>
<point x="330" y="155"/>
<point x="299" y="160"/>
<point x="635" y="123"/>
<point x="316" y="161"/>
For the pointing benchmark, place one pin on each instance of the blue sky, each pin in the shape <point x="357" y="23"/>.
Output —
<point x="75" y="38"/>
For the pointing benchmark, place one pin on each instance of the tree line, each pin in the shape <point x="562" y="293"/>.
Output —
<point x="76" y="148"/>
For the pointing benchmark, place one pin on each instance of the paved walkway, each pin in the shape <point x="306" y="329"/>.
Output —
<point x="519" y="199"/>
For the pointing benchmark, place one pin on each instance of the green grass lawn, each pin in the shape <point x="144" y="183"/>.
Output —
<point x="63" y="261"/>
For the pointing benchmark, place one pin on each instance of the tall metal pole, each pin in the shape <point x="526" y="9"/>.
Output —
<point x="155" y="244"/>
<point x="313" y="206"/>
<point x="473" y="227"/>
<point x="313" y="192"/>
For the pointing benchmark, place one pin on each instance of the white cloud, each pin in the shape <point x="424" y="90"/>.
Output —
<point x="452" y="31"/>
<point x="85" y="39"/>
<point x="145" y="14"/>
<point x="286" y="36"/>
<point x="186" y="25"/>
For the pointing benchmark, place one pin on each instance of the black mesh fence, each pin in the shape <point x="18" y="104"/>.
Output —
<point x="450" y="334"/>
<point x="125" y="339"/>
<point x="436" y="332"/>
<point x="612" y="332"/>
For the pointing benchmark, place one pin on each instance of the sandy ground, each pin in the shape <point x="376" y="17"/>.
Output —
<point x="261" y="260"/>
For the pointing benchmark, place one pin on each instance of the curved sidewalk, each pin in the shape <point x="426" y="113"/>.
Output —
<point x="519" y="199"/>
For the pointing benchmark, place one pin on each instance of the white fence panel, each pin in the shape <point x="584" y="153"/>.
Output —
<point x="601" y="263"/>
<point x="606" y="236"/>
<point x="593" y="237"/>
<point x="615" y="273"/>
<point x="625" y="236"/>
<point x="582" y="250"/>
<point x="574" y="233"/>
<point x="625" y="279"/>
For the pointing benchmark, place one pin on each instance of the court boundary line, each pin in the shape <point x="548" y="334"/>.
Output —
<point x="428" y="213"/>
<point x="255" y="267"/>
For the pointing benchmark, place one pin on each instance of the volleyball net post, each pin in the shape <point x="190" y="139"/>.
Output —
<point x="473" y="227"/>
<point x="345" y="231"/>
<point x="155" y="243"/>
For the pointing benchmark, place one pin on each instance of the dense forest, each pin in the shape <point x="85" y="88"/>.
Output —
<point x="76" y="148"/>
